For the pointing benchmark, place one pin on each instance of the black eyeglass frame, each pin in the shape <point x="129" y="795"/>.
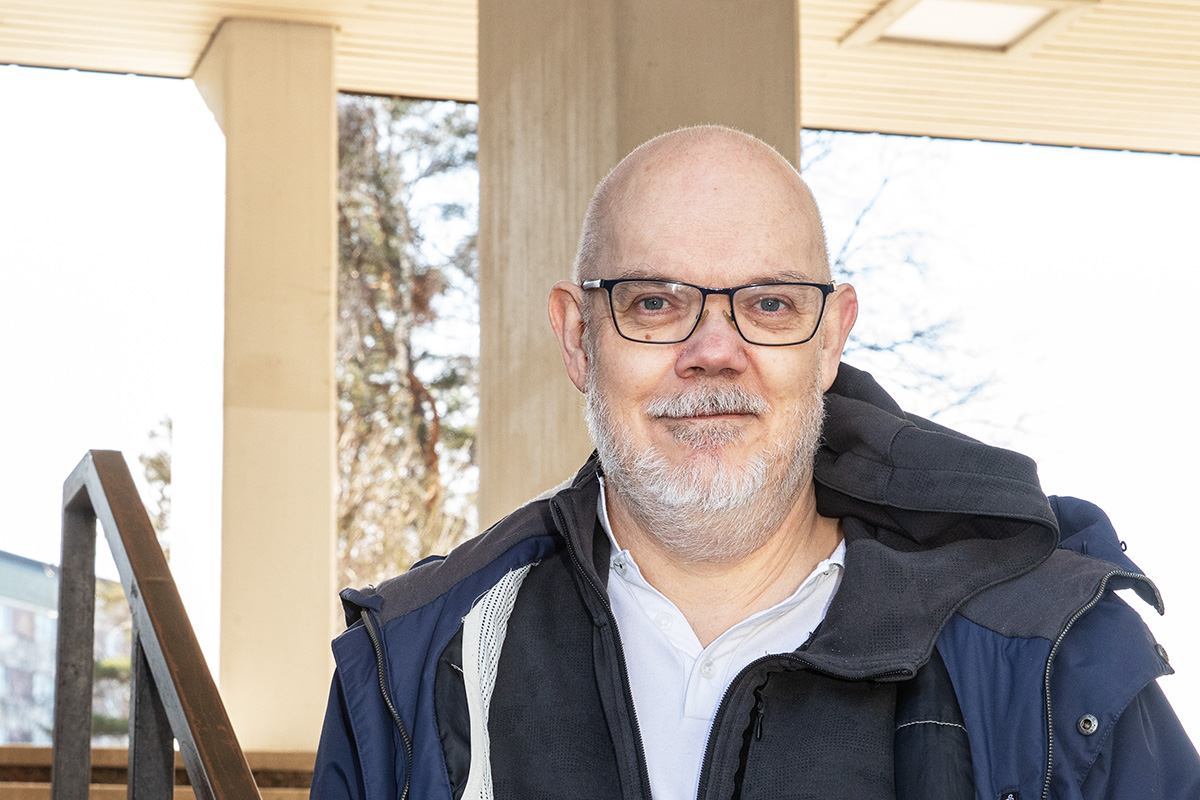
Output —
<point x="608" y="283"/>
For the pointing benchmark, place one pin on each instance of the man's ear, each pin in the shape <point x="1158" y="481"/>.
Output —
<point x="566" y="317"/>
<point x="841" y="310"/>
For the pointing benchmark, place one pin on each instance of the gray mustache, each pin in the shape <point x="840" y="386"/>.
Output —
<point x="730" y="399"/>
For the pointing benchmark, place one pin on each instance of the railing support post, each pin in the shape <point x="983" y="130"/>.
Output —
<point x="71" y="768"/>
<point x="173" y="692"/>
<point x="151" y="744"/>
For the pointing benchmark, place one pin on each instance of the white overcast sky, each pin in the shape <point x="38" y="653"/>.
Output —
<point x="1072" y="275"/>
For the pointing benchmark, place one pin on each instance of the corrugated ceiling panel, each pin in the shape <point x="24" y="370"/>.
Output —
<point x="1125" y="73"/>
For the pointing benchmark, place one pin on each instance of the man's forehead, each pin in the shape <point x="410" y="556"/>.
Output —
<point x="709" y="206"/>
<point x="706" y="174"/>
<point x="716" y="235"/>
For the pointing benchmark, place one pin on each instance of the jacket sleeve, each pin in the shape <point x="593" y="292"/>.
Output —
<point x="1148" y="755"/>
<point x="337" y="774"/>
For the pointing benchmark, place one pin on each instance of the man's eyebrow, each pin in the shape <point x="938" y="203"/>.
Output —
<point x="792" y="276"/>
<point x="645" y="273"/>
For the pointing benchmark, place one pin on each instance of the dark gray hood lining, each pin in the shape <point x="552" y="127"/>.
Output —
<point x="931" y="518"/>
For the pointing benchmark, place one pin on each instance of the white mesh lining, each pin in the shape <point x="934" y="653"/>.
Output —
<point x="483" y="637"/>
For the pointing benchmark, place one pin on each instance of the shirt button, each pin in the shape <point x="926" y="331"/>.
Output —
<point x="663" y="621"/>
<point x="618" y="565"/>
<point x="707" y="669"/>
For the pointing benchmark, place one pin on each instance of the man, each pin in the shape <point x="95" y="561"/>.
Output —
<point x="731" y="601"/>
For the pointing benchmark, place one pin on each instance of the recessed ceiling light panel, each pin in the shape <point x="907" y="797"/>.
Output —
<point x="988" y="26"/>
<point x="970" y="23"/>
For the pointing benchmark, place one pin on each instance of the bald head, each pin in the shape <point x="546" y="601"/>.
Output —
<point x="711" y="164"/>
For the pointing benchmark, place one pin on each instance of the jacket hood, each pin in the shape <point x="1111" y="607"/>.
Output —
<point x="914" y="480"/>
<point x="931" y="518"/>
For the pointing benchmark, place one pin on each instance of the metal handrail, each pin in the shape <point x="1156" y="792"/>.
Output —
<point x="172" y="696"/>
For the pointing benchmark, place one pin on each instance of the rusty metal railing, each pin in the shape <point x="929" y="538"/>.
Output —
<point x="172" y="696"/>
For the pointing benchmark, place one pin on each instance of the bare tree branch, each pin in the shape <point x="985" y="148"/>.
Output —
<point x="871" y="252"/>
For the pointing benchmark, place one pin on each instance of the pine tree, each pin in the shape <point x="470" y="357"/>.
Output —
<point x="406" y="285"/>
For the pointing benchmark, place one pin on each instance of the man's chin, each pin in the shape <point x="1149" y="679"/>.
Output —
<point x="710" y="436"/>
<point x="679" y="453"/>
<point x="701" y="463"/>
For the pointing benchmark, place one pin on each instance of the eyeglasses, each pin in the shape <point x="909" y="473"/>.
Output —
<point x="668" y="312"/>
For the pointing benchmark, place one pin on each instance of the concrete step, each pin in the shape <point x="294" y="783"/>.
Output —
<point x="25" y="773"/>
<point x="109" y="791"/>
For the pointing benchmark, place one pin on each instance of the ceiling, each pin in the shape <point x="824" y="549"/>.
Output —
<point x="1122" y="74"/>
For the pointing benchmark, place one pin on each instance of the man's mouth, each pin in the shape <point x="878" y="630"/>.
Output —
<point x="707" y="404"/>
<point x="709" y="417"/>
<point x="702" y="417"/>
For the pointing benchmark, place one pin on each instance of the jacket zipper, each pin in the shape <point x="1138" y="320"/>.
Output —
<point x="560" y="522"/>
<point x="705" y="765"/>
<point x="1100" y="592"/>
<point x="387" y="698"/>
<point x="760" y="711"/>
<point x="760" y="705"/>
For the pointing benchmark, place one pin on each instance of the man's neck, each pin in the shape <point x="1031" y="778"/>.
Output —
<point x="714" y="596"/>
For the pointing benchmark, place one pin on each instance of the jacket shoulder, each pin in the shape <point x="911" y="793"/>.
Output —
<point x="520" y="538"/>
<point x="1033" y="656"/>
<point x="382" y="702"/>
<point x="1089" y="563"/>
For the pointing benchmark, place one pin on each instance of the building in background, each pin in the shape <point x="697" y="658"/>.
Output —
<point x="28" y="636"/>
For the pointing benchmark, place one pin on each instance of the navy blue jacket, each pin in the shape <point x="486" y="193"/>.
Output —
<point x="965" y="654"/>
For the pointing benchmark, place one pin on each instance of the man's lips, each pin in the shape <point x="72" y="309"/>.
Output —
<point x="709" y="417"/>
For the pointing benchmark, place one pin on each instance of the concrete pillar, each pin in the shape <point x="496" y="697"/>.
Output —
<point x="271" y="87"/>
<point x="567" y="88"/>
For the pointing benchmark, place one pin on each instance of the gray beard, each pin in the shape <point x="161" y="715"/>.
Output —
<point x="704" y="510"/>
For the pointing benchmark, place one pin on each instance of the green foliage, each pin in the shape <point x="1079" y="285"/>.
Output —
<point x="103" y="725"/>
<point x="116" y="669"/>
<point x="406" y="287"/>
<point x="110" y="691"/>
<point x="156" y="465"/>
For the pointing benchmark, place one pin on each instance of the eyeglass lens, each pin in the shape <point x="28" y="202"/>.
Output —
<point x="770" y="313"/>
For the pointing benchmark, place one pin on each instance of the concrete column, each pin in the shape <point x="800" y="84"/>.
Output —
<point x="271" y="87"/>
<point x="566" y="88"/>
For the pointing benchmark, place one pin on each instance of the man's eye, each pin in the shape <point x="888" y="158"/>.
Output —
<point x="770" y="305"/>
<point x="651" y="304"/>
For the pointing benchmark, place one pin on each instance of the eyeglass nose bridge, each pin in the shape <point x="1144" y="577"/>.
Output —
<point x="729" y="315"/>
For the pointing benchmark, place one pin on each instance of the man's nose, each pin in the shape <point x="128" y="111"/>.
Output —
<point x="715" y="346"/>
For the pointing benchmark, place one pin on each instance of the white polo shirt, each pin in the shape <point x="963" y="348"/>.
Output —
<point x="677" y="684"/>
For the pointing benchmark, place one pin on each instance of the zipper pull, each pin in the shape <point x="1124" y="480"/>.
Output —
<point x="759" y="711"/>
